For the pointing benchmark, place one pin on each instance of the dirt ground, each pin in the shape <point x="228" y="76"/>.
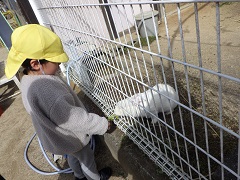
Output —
<point x="16" y="128"/>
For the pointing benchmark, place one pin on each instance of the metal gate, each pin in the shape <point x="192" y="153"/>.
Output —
<point x="168" y="69"/>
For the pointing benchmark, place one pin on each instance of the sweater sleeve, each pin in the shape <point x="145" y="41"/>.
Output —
<point x="76" y="119"/>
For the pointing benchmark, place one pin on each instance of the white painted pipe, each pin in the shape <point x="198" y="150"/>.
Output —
<point x="41" y="17"/>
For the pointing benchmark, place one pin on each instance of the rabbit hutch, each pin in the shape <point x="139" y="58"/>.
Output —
<point x="166" y="71"/>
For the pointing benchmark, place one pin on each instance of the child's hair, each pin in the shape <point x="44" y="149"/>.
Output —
<point x="27" y="66"/>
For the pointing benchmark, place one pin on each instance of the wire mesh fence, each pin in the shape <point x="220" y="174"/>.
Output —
<point x="168" y="69"/>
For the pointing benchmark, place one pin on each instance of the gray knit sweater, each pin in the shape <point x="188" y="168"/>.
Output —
<point x="59" y="117"/>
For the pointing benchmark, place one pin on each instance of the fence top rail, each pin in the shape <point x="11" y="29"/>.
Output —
<point x="234" y="79"/>
<point x="140" y="3"/>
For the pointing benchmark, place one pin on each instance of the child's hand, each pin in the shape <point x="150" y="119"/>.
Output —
<point x="111" y="127"/>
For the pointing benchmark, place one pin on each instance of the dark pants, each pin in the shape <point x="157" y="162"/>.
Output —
<point x="83" y="164"/>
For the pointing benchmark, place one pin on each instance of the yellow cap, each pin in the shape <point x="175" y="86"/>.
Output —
<point x="33" y="41"/>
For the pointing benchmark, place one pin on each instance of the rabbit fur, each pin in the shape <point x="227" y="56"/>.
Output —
<point x="140" y="104"/>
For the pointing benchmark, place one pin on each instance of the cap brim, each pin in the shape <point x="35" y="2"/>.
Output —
<point x="62" y="58"/>
<point x="15" y="60"/>
<point x="13" y="63"/>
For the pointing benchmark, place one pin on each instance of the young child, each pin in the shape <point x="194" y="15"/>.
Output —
<point x="59" y="117"/>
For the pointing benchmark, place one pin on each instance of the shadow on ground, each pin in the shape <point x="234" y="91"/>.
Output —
<point x="7" y="90"/>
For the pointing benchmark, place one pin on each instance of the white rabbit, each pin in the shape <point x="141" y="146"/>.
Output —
<point x="150" y="101"/>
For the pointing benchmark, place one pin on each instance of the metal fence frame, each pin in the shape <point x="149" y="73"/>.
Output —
<point x="110" y="68"/>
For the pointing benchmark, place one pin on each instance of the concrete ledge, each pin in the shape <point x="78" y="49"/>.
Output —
<point x="136" y="164"/>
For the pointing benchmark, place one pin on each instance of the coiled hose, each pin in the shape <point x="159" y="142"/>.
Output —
<point x="57" y="170"/>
